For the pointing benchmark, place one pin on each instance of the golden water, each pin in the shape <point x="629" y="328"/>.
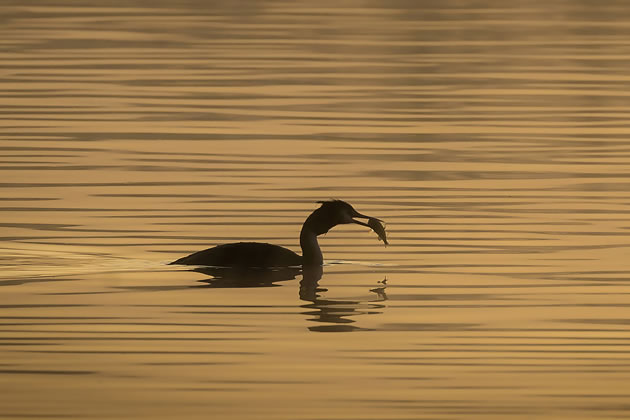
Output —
<point x="493" y="139"/>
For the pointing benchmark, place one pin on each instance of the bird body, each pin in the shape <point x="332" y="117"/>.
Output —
<point x="243" y="254"/>
<point x="255" y="254"/>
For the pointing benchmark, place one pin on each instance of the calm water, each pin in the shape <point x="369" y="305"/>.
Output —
<point x="494" y="141"/>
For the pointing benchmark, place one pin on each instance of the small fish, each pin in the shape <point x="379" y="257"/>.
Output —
<point x="378" y="227"/>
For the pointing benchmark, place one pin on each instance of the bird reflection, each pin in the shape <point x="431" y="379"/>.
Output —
<point x="335" y="315"/>
<point x="236" y="277"/>
<point x="331" y="315"/>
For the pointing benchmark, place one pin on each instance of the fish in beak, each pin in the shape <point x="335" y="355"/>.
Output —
<point x="377" y="225"/>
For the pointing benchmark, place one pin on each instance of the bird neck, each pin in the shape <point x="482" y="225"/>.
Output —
<point x="311" y="254"/>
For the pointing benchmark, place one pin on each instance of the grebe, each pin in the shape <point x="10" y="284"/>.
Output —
<point x="255" y="254"/>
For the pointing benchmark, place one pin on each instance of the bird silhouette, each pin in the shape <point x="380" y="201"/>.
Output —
<point x="255" y="254"/>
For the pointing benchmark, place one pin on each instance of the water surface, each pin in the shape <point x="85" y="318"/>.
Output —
<point x="492" y="139"/>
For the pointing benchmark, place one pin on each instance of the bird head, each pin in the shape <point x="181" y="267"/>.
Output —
<point x="332" y="213"/>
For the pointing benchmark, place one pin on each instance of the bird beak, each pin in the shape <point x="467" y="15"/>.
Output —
<point x="377" y="225"/>
<point x="362" y="216"/>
